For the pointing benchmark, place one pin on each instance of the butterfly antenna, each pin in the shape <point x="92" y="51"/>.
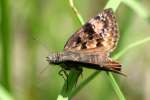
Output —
<point x="40" y="42"/>
<point x="44" y="69"/>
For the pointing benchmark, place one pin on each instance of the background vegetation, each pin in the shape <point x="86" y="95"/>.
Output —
<point x="32" y="29"/>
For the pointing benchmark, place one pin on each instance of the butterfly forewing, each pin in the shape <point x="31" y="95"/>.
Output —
<point x="100" y="32"/>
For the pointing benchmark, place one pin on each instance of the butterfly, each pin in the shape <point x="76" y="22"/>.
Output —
<point x="91" y="45"/>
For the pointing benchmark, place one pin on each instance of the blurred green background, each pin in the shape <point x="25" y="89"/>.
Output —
<point x="32" y="29"/>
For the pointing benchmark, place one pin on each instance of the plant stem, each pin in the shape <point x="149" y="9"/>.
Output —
<point x="115" y="86"/>
<point x="80" y="19"/>
<point x="114" y="4"/>
<point x="131" y="46"/>
<point x="135" y="5"/>
<point x="6" y="43"/>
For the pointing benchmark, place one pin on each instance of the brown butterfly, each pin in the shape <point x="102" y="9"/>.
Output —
<point x="91" y="45"/>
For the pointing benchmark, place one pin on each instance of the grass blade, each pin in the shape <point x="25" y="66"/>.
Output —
<point x="135" y="5"/>
<point x="114" y="4"/>
<point x="6" y="43"/>
<point x="115" y="86"/>
<point x="131" y="46"/>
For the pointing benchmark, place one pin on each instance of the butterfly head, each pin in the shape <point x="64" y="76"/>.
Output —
<point x="54" y="58"/>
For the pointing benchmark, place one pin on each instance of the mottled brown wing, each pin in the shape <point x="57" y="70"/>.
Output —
<point x="100" y="32"/>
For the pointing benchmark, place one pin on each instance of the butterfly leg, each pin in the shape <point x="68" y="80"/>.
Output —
<point x="63" y="73"/>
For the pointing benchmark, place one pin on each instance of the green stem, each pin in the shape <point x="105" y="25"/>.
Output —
<point x="114" y="4"/>
<point x="131" y="46"/>
<point x="115" y="86"/>
<point x="80" y="19"/>
<point x="135" y="5"/>
<point x="6" y="43"/>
